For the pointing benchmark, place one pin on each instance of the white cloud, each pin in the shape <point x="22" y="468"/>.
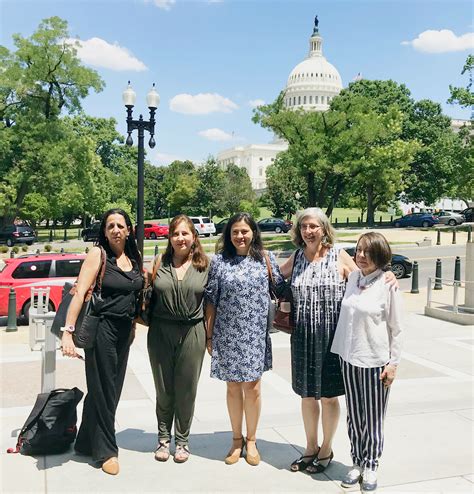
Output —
<point x="256" y="102"/>
<point x="160" y="159"/>
<point x="201" y="104"/>
<point x="442" y="41"/>
<point x="162" y="4"/>
<point x="100" y="53"/>
<point x="216" y="135"/>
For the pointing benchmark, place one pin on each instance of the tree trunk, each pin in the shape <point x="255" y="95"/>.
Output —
<point x="370" y="206"/>
<point x="311" y="191"/>
<point x="337" y="193"/>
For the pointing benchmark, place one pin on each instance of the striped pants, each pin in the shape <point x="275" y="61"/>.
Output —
<point x="366" y="399"/>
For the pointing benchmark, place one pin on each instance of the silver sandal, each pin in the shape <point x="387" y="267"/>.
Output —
<point x="162" y="452"/>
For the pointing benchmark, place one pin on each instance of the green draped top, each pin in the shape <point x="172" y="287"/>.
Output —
<point x="179" y="301"/>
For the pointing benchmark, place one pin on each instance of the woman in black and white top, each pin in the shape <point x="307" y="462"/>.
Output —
<point x="368" y="342"/>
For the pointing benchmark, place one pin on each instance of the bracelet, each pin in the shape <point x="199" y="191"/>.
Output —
<point x="69" y="329"/>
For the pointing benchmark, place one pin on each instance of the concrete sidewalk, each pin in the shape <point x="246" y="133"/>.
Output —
<point x="429" y="426"/>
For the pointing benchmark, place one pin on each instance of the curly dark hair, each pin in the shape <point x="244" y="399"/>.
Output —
<point x="227" y="248"/>
<point x="131" y="249"/>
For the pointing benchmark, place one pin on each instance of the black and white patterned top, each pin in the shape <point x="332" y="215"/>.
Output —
<point x="238" y="289"/>
<point x="318" y="290"/>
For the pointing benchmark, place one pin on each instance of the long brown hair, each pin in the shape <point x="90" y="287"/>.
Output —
<point x="199" y="259"/>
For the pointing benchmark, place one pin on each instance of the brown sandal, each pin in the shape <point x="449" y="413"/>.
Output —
<point x="232" y="456"/>
<point x="182" y="453"/>
<point x="162" y="452"/>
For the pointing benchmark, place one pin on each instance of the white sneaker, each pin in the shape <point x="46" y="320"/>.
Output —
<point x="352" y="477"/>
<point x="369" y="481"/>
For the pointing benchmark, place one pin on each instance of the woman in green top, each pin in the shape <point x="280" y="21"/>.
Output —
<point x="177" y="338"/>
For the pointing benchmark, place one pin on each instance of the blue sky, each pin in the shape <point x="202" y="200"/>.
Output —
<point x="226" y="55"/>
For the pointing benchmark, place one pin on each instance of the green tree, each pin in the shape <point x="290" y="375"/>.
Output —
<point x="460" y="95"/>
<point x="210" y="191"/>
<point x="237" y="188"/>
<point x="39" y="80"/>
<point x="284" y="185"/>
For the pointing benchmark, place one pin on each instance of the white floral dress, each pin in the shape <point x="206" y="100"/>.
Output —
<point x="239" y="290"/>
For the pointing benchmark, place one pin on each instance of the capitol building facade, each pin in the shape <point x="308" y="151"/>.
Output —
<point x="311" y="86"/>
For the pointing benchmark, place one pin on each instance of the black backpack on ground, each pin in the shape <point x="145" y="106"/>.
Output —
<point x="51" y="426"/>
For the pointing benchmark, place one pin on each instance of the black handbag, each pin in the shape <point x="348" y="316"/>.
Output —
<point x="87" y="322"/>
<point x="51" y="425"/>
<point x="146" y="298"/>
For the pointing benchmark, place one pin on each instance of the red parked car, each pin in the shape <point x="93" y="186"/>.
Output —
<point x="155" y="230"/>
<point x="38" y="271"/>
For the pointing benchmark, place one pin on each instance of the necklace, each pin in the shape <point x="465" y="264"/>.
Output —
<point x="368" y="284"/>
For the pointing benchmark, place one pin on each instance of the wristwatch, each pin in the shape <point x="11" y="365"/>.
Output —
<point x="69" y="329"/>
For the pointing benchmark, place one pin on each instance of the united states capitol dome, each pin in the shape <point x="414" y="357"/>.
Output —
<point x="313" y="82"/>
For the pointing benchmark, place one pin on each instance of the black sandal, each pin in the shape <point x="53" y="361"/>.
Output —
<point x="320" y="464"/>
<point x="300" y="465"/>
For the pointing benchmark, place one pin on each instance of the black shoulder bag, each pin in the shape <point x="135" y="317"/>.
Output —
<point x="88" y="319"/>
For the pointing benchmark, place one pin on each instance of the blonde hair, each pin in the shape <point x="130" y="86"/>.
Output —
<point x="329" y="234"/>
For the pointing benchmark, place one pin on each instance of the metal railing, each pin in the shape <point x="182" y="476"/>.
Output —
<point x="456" y="285"/>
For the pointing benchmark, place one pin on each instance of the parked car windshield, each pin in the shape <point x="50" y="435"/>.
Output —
<point x="24" y="228"/>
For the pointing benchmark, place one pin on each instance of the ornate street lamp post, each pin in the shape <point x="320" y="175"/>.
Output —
<point x="153" y="100"/>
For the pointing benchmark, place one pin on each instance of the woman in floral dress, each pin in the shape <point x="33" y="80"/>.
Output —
<point x="237" y="298"/>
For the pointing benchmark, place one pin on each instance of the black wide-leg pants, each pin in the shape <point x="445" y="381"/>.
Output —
<point x="366" y="399"/>
<point x="106" y="364"/>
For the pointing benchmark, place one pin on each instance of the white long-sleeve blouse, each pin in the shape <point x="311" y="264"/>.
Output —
<point x="368" y="332"/>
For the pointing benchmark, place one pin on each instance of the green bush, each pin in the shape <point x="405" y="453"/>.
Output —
<point x="15" y="249"/>
<point x="24" y="248"/>
<point x="48" y="248"/>
<point x="3" y="249"/>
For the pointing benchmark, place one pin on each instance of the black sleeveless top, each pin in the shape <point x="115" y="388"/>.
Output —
<point x="120" y="289"/>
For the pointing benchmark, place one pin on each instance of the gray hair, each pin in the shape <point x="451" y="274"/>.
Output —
<point x="329" y="235"/>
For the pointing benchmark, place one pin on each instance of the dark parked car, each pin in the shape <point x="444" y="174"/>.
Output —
<point x="17" y="234"/>
<point x="401" y="266"/>
<point x="276" y="225"/>
<point x="468" y="213"/>
<point x="416" y="219"/>
<point x="221" y="225"/>
<point x="91" y="233"/>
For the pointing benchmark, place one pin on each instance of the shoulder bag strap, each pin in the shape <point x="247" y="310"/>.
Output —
<point x="101" y="272"/>
<point x="269" y="269"/>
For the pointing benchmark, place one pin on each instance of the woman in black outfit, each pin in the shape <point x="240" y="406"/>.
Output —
<point x="107" y="361"/>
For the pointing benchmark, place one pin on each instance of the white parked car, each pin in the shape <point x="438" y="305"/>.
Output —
<point x="204" y="226"/>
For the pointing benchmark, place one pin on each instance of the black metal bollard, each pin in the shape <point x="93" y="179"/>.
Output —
<point x="438" y="237"/>
<point x="391" y="218"/>
<point x="12" y="254"/>
<point x="358" y="221"/>
<point x="37" y="252"/>
<point x="50" y="236"/>
<point x="156" y="250"/>
<point x="87" y="250"/>
<point x="414" y="278"/>
<point x="469" y="233"/>
<point x="380" y="220"/>
<point x="454" y="236"/>
<point x="62" y="250"/>
<point x="335" y="222"/>
<point x="65" y="235"/>
<point x="78" y="234"/>
<point x="438" y="285"/>
<point x="457" y="271"/>
<point x="347" y="221"/>
<point x="11" y="322"/>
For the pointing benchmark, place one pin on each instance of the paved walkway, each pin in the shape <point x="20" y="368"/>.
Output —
<point x="429" y="427"/>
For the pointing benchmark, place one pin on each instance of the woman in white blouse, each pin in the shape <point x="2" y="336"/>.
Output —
<point x="368" y="342"/>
